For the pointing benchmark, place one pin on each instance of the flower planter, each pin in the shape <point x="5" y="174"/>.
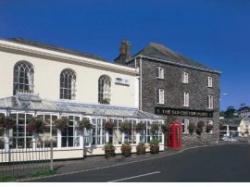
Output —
<point x="126" y="149"/>
<point x="154" y="149"/>
<point x="109" y="150"/>
<point x="140" y="149"/>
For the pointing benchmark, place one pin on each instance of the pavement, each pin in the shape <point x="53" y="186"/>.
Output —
<point x="220" y="163"/>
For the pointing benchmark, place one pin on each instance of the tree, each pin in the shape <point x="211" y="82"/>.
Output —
<point x="229" y="113"/>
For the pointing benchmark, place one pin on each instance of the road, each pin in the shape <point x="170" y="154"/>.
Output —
<point x="227" y="163"/>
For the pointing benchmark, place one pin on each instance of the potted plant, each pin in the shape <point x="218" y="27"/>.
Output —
<point x="84" y="123"/>
<point x="61" y="123"/>
<point x="140" y="126"/>
<point x="109" y="150"/>
<point x="126" y="149"/>
<point x="126" y="126"/>
<point x="154" y="146"/>
<point x="191" y="128"/>
<point x="209" y="128"/>
<point x="35" y="125"/>
<point x="199" y="128"/>
<point x="140" y="149"/>
<point x="109" y="125"/>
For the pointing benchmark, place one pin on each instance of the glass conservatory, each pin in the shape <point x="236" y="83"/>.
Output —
<point x="70" y="141"/>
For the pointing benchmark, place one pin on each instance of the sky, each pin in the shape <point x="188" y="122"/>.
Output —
<point x="213" y="32"/>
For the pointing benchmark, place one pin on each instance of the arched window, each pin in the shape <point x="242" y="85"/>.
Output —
<point x="104" y="89"/>
<point x="67" y="84"/>
<point x="23" y="78"/>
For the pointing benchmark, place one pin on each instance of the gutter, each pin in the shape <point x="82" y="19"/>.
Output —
<point x="179" y="64"/>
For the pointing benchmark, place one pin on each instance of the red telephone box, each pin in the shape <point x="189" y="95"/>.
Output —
<point x="174" y="135"/>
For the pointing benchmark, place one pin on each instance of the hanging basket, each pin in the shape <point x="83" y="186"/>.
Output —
<point x="140" y="126"/>
<point x="154" y="128"/>
<point x="61" y="123"/>
<point x="85" y="123"/>
<point x="7" y="122"/>
<point x="35" y="125"/>
<point x="126" y="126"/>
<point x="109" y="125"/>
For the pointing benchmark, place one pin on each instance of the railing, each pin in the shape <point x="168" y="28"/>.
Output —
<point x="25" y="161"/>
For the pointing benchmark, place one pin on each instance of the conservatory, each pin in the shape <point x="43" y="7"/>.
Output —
<point x="108" y="125"/>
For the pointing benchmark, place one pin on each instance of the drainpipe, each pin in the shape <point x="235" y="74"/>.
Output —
<point x="140" y="86"/>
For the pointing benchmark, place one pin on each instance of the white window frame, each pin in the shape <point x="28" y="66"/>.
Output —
<point x="210" y="102"/>
<point x="185" y="125"/>
<point x="185" y="77"/>
<point x="186" y="99"/>
<point x="161" y="96"/>
<point x="160" y="73"/>
<point x="209" y="82"/>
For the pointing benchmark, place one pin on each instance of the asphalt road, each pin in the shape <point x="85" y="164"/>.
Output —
<point x="227" y="163"/>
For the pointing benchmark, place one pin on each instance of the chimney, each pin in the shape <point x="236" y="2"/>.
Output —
<point x="124" y="53"/>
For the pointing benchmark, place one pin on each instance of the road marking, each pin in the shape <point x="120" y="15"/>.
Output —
<point x="137" y="176"/>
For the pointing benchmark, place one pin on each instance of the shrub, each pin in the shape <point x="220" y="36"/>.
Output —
<point x="140" y="126"/>
<point x="61" y="123"/>
<point x="191" y="128"/>
<point x="199" y="128"/>
<point x="126" y="149"/>
<point x="109" y="150"/>
<point x="35" y="125"/>
<point x="126" y="126"/>
<point x="154" y="146"/>
<point x="140" y="149"/>
<point x="85" y="123"/>
<point x="209" y="128"/>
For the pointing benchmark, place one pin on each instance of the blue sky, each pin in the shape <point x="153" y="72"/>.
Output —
<point x="214" y="32"/>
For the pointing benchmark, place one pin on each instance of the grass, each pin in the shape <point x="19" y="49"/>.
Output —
<point x="7" y="178"/>
<point x="44" y="173"/>
<point x="41" y="173"/>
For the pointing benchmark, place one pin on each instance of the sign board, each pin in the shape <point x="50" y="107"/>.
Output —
<point x="183" y="112"/>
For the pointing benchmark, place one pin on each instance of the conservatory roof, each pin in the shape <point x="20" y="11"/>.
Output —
<point x="30" y="102"/>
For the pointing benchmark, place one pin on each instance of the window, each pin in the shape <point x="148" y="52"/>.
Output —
<point x="160" y="99"/>
<point x="131" y="135"/>
<point x="160" y="73"/>
<point x="210" y="82"/>
<point x="23" y="78"/>
<point x="185" y="78"/>
<point x="210" y="102"/>
<point x="104" y="89"/>
<point x="186" y="99"/>
<point x="185" y="124"/>
<point x="67" y="84"/>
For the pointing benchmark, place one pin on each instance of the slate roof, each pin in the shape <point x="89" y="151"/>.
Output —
<point x="159" y="51"/>
<point x="54" y="48"/>
<point x="32" y="102"/>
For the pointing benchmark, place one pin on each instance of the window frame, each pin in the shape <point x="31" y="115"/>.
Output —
<point x="185" y="77"/>
<point x="160" y="98"/>
<point x="209" y="82"/>
<point x="186" y="99"/>
<point x="67" y="84"/>
<point x="160" y="73"/>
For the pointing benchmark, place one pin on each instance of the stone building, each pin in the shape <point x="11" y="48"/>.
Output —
<point x="175" y="86"/>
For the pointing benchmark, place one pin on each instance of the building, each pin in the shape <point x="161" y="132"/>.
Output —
<point x="175" y="86"/>
<point x="51" y="83"/>
<point x="244" y="112"/>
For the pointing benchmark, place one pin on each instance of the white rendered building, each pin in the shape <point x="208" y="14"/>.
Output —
<point x="50" y="83"/>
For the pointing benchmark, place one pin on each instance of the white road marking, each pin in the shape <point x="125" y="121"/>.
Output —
<point x="137" y="176"/>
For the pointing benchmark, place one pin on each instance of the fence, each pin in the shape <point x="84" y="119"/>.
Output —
<point x="21" y="162"/>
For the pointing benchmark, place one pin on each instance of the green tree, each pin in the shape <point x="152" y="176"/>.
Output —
<point x="229" y="113"/>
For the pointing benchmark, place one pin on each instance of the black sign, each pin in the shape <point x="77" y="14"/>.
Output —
<point x="183" y="112"/>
